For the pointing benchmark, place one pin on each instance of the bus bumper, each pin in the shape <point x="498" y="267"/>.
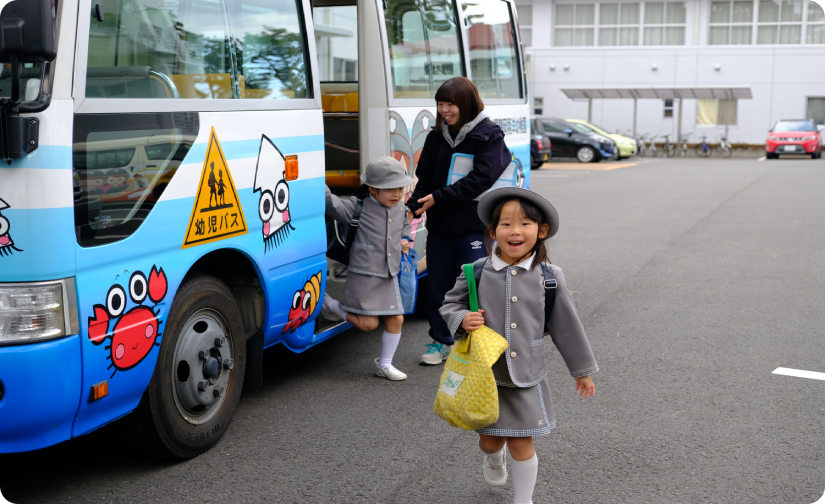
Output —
<point x="41" y="393"/>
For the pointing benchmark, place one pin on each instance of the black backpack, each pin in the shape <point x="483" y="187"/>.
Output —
<point x="340" y="237"/>
<point x="550" y="285"/>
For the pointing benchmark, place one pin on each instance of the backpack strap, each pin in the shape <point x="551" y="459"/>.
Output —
<point x="354" y="223"/>
<point x="550" y="285"/>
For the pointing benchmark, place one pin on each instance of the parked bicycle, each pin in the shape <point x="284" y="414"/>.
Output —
<point x="684" y="147"/>
<point x="703" y="149"/>
<point x="652" y="151"/>
<point x="641" y="145"/>
<point x="725" y="149"/>
<point x="668" y="149"/>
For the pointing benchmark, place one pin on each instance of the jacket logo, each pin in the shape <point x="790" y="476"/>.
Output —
<point x="476" y="244"/>
<point x="541" y="422"/>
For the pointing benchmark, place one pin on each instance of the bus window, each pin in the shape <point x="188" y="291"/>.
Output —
<point x="204" y="49"/>
<point x="336" y="39"/>
<point x="493" y="56"/>
<point x="424" y="48"/>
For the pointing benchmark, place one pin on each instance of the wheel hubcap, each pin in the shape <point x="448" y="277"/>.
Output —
<point x="585" y="155"/>
<point x="202" y="366"/>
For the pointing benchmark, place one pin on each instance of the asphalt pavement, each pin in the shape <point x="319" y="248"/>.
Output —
<point x="696" y="278"/>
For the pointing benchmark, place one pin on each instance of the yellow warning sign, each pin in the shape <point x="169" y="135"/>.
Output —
<point x="217" y="213"/>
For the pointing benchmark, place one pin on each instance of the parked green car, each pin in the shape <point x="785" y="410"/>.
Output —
<point x="626" y="146"/>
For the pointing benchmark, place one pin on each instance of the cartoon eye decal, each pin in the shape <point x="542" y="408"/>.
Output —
<point x="116" y="301"/>
<point x="138" y="287"/>
<point x="305" y="302"/>
<point x="296" y="300"/>
<point x="266" y="206"/>
<point x="281" y="196"/>
<point x="4" y="225"/>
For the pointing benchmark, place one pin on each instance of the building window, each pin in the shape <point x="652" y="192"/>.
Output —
<point x="664" y="23"/>
<point x="815" y="31"/>
<point x="780" y="22"/>
<point x="716" y="112"/>
<point x="575" y="25"/>
<point x="668" y="108"/>
<point x="731" y="23"/>
<point x="525" y="24"/>
<point x="538" y="105"/>
<point x="816" y="110"/>
<point x="619" y="24"/>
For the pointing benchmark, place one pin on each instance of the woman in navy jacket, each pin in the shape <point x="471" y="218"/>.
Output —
<point x="455" y="233"/>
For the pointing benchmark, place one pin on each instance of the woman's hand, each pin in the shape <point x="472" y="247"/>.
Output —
<point x="405" y="246"/>
<point x="426" y="202"/>
<point x="585" y="386"/>
<point x="473" y="321"/>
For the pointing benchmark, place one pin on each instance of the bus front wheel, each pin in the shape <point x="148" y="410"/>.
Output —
<point x="199" y="374"/>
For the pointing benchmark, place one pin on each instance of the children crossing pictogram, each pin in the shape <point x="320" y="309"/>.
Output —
<point x="217" y="212"/>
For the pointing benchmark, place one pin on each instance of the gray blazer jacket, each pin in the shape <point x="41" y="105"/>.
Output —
<point x="513" y="304"/>
<point x="377" y="247"/>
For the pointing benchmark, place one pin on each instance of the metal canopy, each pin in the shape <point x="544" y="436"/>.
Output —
<point x="661" y="93"/>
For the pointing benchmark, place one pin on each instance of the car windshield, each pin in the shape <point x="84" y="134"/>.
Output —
<point x="794" y="126"/>
<point x="581" y="128"/>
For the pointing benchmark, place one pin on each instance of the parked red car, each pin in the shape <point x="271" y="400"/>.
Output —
<point x="794" y="136"/>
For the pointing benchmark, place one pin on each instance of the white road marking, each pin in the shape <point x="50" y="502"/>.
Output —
<point x="799" y="373"/>
<point x="762" y="158"/>
<point x="543" y="175"/>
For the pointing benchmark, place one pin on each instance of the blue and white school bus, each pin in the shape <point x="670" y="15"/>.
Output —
<point x="162" y="189"/>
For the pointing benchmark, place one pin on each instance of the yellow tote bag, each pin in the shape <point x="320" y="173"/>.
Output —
<point x="467" y="397"/>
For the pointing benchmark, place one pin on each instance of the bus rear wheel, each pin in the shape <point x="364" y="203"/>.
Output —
<point x="199" y="374"/>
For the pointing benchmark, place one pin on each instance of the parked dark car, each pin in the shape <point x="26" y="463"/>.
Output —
<point x="569" y="140"/>
<point x="539" y="143"/>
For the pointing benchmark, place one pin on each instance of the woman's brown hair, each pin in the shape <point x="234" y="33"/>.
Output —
<point x="532" y="212"/>
<point x="459" y="91"/>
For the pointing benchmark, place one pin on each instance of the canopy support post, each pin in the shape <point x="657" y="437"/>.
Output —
<point x="590" y="110"/>
<point x="634" y="116"/>
<point x="679" y="123"/>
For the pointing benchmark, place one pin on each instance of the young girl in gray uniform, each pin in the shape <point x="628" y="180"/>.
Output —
<point x="375" y="257"/>
<point x="511" y="302"/>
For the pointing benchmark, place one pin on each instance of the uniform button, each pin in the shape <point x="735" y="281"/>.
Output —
<point x="390" y="220"/>
<point x="513" y="355"/>
<point x="513" y="325"/>
<point x="389" y="255"/>
<point x="513" y="272"/>
<point x="389" y="238"/>
<point x="514" y="299"/>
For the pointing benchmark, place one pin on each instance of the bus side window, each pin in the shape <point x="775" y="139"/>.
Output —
<point x="424" y="48"/>
<point x="493" y="57"/>
<point x="201" y="49"/>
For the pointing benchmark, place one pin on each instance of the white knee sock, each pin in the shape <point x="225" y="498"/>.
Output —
<point x="334" y="306"/>
<point x="496" y="458"/>
<point x="524" y="480"/>
<point x="389" y="342"/>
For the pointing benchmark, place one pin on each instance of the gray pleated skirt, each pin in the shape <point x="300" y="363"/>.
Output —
<point x="523" y="412"/>
<point x="372" y="295"/>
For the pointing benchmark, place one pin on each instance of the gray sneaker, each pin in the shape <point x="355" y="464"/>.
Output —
<point x="436" y="353"/>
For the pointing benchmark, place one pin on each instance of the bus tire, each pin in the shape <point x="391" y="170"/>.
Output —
<point x="198" y="376"/>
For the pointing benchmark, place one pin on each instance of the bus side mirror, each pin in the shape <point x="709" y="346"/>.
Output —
<point x="27" y="32"/>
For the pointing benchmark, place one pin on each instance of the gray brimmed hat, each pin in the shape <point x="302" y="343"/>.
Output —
<point x="385" y="173"/>
<point x="488" y="203"/>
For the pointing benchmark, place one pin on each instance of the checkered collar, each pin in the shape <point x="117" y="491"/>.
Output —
<point x="499" y="264"/>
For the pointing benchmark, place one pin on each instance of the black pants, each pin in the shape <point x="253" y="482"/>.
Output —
<point x="445" y="256"/>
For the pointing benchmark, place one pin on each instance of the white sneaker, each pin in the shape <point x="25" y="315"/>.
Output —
<point x="389" y="373"/>
<point x="494" y="475"/>
<point x="327" y="312"/>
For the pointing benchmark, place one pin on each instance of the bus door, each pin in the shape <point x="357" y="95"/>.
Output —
<point x="198" y="151"/>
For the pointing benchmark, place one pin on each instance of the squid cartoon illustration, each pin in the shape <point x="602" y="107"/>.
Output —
<point x="7" y="247"/>
<point x="135" y="332"/>
<point x="304" y="302"/>
<point x="273" y="204"/>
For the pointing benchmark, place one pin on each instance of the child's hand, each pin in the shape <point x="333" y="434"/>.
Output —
<point x="585" y="386"/>
<point x="473" y="321"/>
<point x="409" y="216"/>
<point x="405" y="246"/>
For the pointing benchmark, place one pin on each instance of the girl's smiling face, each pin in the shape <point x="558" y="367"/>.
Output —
<point x="449" y="112"/>
<point x="388" y="197"/>
<point x="515" y="233"/>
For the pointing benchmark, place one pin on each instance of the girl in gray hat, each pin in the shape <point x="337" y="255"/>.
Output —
<point x="375" y="257"/>
<point x="511" y="298"/>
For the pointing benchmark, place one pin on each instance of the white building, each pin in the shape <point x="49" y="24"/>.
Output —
<point x="774" y="47"/>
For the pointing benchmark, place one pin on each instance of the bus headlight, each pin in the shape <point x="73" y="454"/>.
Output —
<point x="31" y="312"/>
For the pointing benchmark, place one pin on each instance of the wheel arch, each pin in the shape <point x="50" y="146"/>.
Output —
<point x="237" y="270"/>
